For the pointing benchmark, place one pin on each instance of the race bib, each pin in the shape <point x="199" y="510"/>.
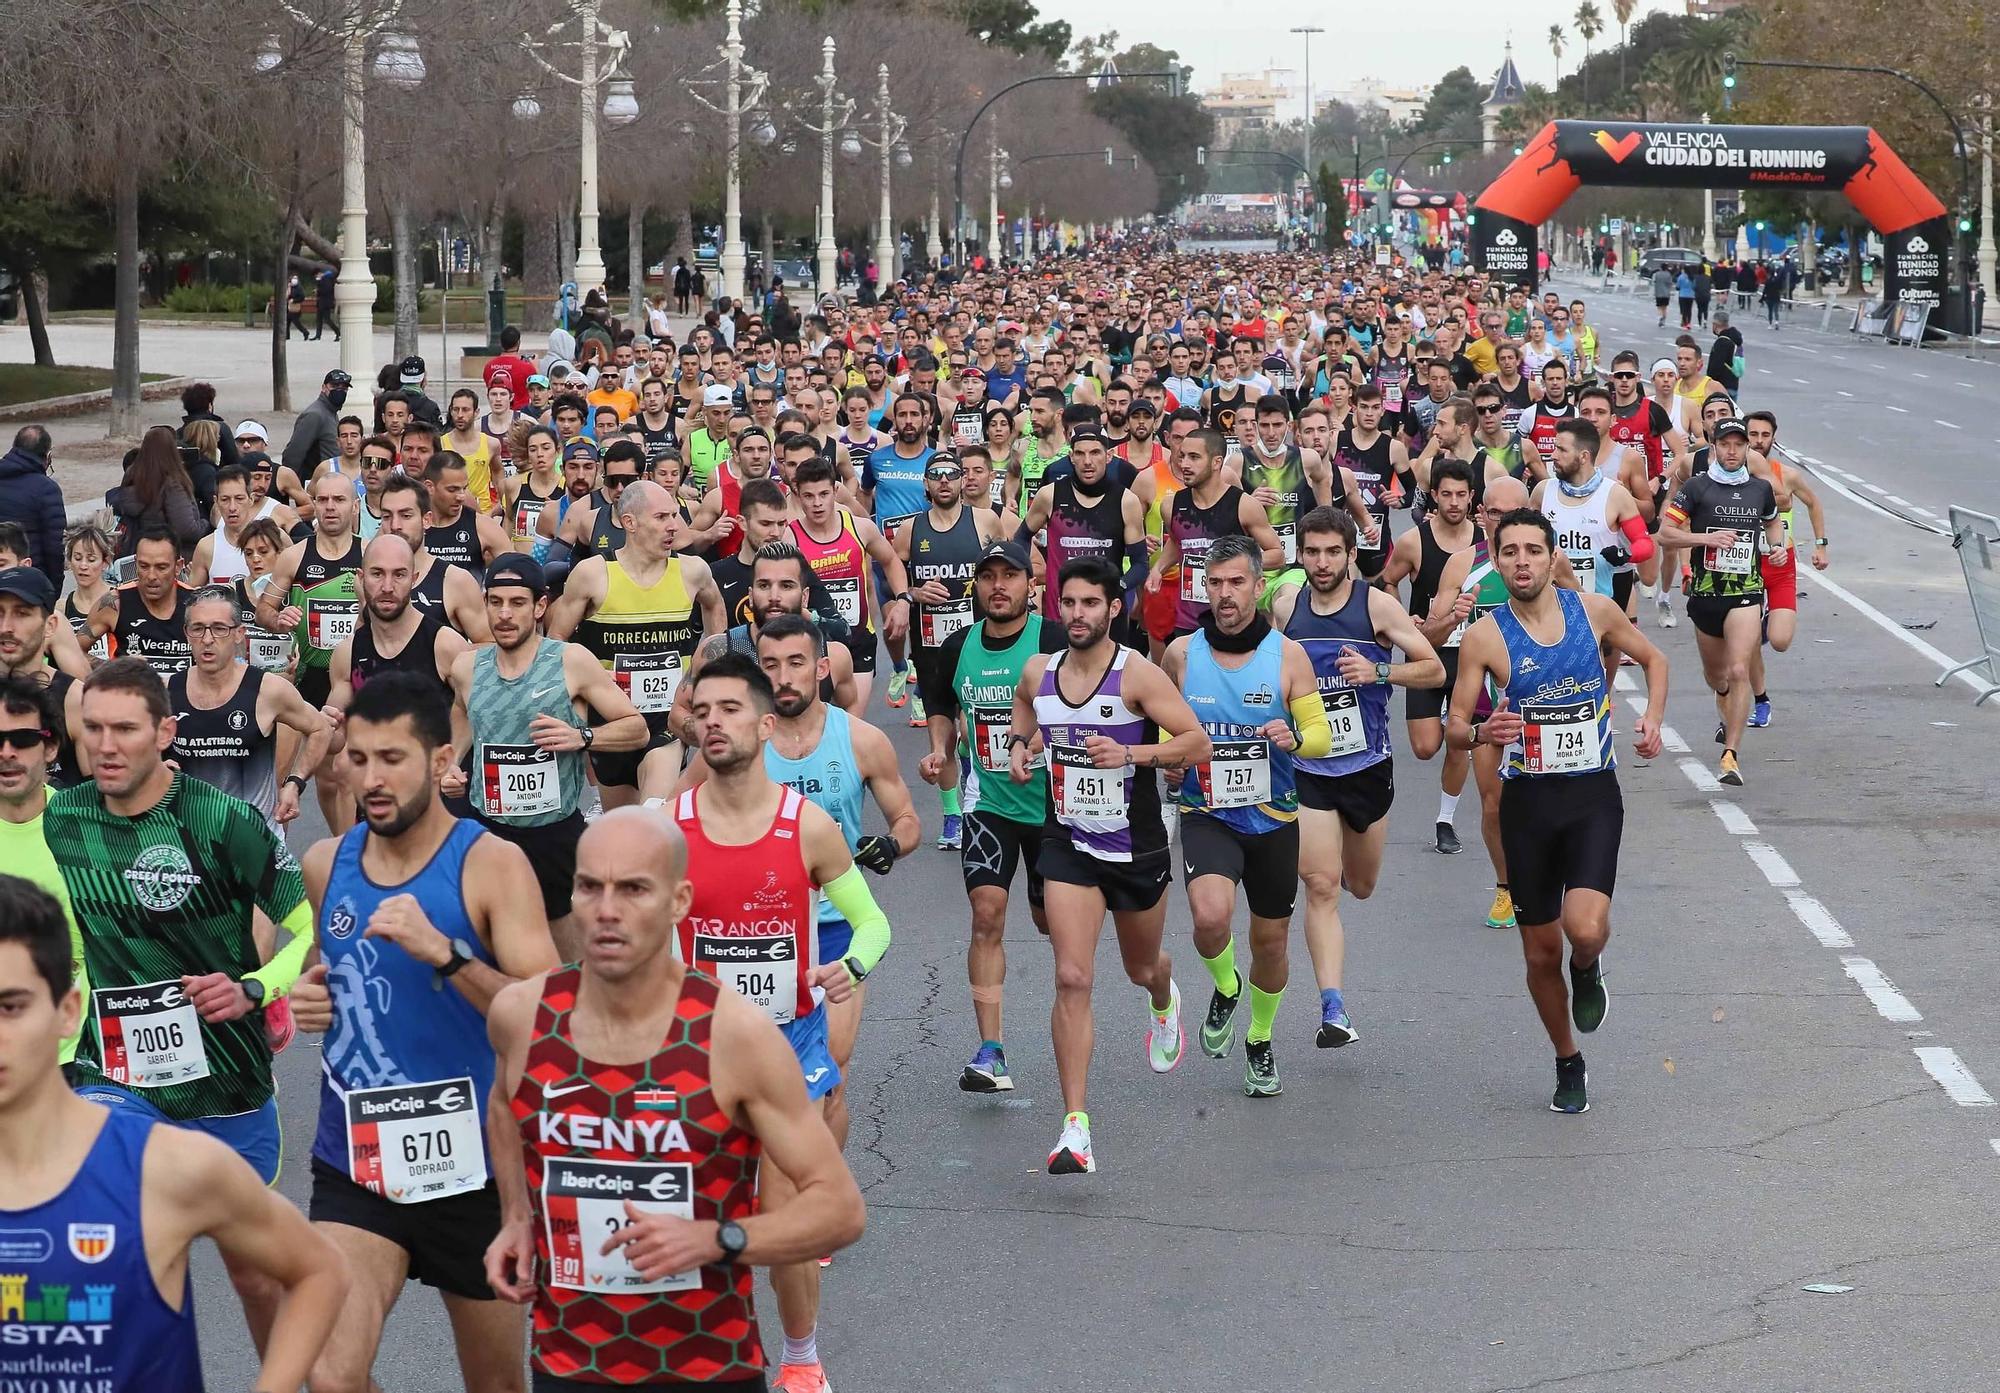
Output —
<point x="1238" y="775"/>
<point x="1084" y="792"/>
<point x="1736" y="559"/>
<point x="991" y="726"/>
<point x="650" y="679"/>
<point x="1194" y="582"/>
<point x="968" y="429"/>
<point x="330" y="621"/>
<point x="891" y="526"/>
<point x="846" y="593"/>
<point x="583" y="1205"/>
<point x="412" y="1142"/>
<point x="764" y="969"/>
<point x="1288" y="539"/>
<point x="998" y="488"/>
<point x="1381" y="535"/>
<point x="942" y="621"/>
<point x="1392" y="396"/>
<point x="527" y="512"/>
<point x="518" y="781"/>
<point x="1561" y="739"/>
<point x="1584" y="563"/>
<point x="151" y="1035"/>
<point x="1343" y="713"/>
<point x="268" y="651"/>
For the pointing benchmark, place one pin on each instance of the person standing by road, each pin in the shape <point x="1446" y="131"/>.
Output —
<point x="31" y="497"/>
<point x="316" y="433"/>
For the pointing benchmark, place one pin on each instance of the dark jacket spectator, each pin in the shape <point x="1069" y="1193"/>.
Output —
<point x="156" y="493"/>
<point x="316" y="434"/>
<point x="31" y="497"/>
<point x="198" y="404"/>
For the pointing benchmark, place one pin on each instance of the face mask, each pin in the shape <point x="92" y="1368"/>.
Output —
<point x="337" y="398"/>
<point x="1727" y="476"/>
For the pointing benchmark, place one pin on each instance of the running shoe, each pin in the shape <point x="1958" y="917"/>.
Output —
<point x="1667" y="620"/>
<point x="988" y="1071"/>
<point x="917" y="716"/>
<point x="826" y="1261"/>
<point x="899" y="686"/>
<point x="1760" y="714"/>
<point x="1447" y="840"/>
<point x="1165" y="1041"/>
<point x="1335" y="1029"/>
<point x="948" y="834"/>
<point x="1732" y="772"/>
<point x="1218" y="1032"/>
<point x="1572" y="1081"/>
<point x="1588" y="997"/>
<point x="1072" y="1154"/>
<point x="1721" y="733"/>
<point x="278" y="1027"/>
<point x="1501" y="915"/>
<point x="1260" y="1070"/>
<point x="801" y="1378"/>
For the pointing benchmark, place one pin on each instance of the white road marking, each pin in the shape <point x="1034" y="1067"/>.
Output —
<point x="1844" y="394"/>
<point x="1670" y="740"/>
<point x="1934" y="655"/>
<point x="1946" y="424"/>
<point x="1698" y="775"/>
<point x="1893" y="1005"/>
<point x="1775" y="867"/>
<point x="1802" y="382"/>
<point x="1875" y="488"/>
<point x="1735" y="821"/>
<point x="1899" y="500"/>
<point x="1765" y="371"/>
<point x="1622" y="680"/>
<point x="1900" y="411"/>
<point x="1819" y="921"/>
<point x="1924" y="375"/>
<point x="1944" y="1065"/>
<point x="1965" y="384"/>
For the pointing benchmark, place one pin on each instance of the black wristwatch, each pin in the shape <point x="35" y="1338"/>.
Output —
<point x="298" y="779"/>
<point x="729" y="1237"/>
<point x="253" y="991"/>
<point x="461" y="954"/>
<point x="589" y="736"/>
<point x="855" y="969"/>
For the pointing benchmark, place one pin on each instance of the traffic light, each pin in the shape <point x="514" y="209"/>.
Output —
<point x="1517" y="150"/>
<point x="1604" y="226"/>
<point x="1964" y="223"/>
<point x="1729" y="72"/>
<point x="1447" y="157"/>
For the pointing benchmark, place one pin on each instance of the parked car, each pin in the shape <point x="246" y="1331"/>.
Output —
<point x="1673" y="258"/>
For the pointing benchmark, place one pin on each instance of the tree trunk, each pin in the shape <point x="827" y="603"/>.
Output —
<point x="489" y="246"/>
<point x="566" y="240"/>
<point x="682" y="243"/>
<point x="33" y="285"/>
<point x="406" y="248"/>
<point x="768" y="241"/>
<point x="126" y="407"/>
<point x="635" y="264"/>
<point x="327" y="251"/>
<point x="540" y="273"/>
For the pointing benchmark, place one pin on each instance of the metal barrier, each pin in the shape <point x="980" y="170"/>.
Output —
<point x="1976" y="536"/>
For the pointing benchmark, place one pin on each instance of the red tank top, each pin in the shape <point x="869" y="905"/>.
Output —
<point x="752" y="923"/>
<point x="732" y="507"/>
<point x="1636" y="429"/>
<point x="842" y="567"/>
<point x="594" y="1135"/>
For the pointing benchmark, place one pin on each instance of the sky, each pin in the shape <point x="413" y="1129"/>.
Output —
<point x="1361" y="41"/>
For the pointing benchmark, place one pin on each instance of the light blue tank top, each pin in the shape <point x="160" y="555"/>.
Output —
<point x="1561" y="694"/>
<point x="76" y="1292"/>
<point x="1248" y="783"/>
<point x="395" y="1020"/>
<point x="829" y="777"/>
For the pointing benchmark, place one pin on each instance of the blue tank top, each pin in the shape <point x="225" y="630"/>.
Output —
<point x="78" y="1302"/>
<point x="898" y="483"/>
<point x="1561" y="694"/>
<point x="1247" y="784"/>
<point x="829" y="777"/>
<point x="395" y="1021"/>
<point x="1359" y="715"/>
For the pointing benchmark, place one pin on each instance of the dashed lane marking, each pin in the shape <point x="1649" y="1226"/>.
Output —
<point x="1777" y="870"/>
<point x="1946" y="424"/>
<point x="1735" y="821"/>
<point x="1818" y="920"/>
<point x="1879" y="990"/>
<point x="1698" y="775"/>
<point x="1944" y="1065"/>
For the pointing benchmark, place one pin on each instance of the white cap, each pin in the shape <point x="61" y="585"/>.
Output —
<point x="252" y="428"/>
<point x="717" y="396"/>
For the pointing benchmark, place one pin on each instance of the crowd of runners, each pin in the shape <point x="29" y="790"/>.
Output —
<point x="593" y="671"/>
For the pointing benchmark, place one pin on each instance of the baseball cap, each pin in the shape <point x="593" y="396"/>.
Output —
<point x="1089" y="433"/>
<point x="1006" y="553"/>
<point x="253" y="429"/>
<point x="717" y="396"/>
<point x="537" y="380"/>
<point x="412" y="369"/>
<point x="1142" y="406"/>
<point x="337" y="378"/>
<point x="1730" y="426"/>
<point x="580" y="448"/>
<point x="517" y="568"/>
<point x="28" y="585"/>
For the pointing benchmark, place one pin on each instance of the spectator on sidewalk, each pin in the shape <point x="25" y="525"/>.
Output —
<point x="198" y="404"/>
<point x="316" y="434"/>
<point x="323" y="305"/>
<point x="157" y="492"/>
<point x="510" y="367"/>
<point x="32" y="499"/>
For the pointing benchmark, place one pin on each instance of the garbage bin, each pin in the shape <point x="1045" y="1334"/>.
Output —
<point x="496" y="312"/>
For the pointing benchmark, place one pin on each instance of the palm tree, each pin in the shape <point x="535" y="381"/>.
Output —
<point x="1697" y="65"/>
<point x="1556" y="47"/>
<point x="1537" y="107"/>
<point x="1624" y="10"/>
<point x="1589" y="24"/>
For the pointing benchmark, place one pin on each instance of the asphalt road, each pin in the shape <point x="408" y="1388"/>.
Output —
<point x="1788" y="1091"/>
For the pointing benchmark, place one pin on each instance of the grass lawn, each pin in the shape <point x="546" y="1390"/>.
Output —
<point x="21" y="382"/>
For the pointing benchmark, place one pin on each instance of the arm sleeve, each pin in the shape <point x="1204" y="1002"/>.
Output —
<point x="1639" y="542"/>
<point x="850" y="895"/>
<point x="289" y="961"/>
<point x="826" y="613"/>
<point x="1315" y="735"/>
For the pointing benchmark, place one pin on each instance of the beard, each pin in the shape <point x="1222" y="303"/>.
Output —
<point x="405" y="815"/>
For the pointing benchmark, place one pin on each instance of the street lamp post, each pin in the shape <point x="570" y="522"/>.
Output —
<point x="994" y="172"/>
<point x="742" y="89"/>
<point x="1306" y="31"/>
<point x="834" y="110"/>
<point x="1986" y="248"/>
<point x="1708" y="248"/>
<point x="894" y="154"/>
<point x="621" y="108"/>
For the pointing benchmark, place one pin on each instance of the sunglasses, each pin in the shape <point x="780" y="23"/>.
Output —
<point x="610" y="479"/>
<point x="25" y="738"/>
<point x="953" y="472"/>
<point x="1489" y="410"/>
<point x="1625" y="376"/>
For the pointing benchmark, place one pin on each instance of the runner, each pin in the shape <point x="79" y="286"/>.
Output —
<point x="643" y="613"/>
<point x="132" y="1199"/>
<point x="839" y="547"/>
<point x="529" y="491"/>
<point x="1087" y="514"/>
<point x="312" y="593"/>
<point x="27" y="600"/>
<point x="456" y="531"/>
<point x="1639" y="422"/>
<point x="1253" y="691"/>
<point x="1104" y="846"/>
<point x="1206" y="508"/>
<point x="630" y="1074"/>
<point x="395" y="633"/>
<point x="445" y="591"/>
<point x="1727" y="519"/>
<point x="422" y="919"/>
<point x="525" y="712"/>
<point x="147" y="618"/>
<point x="165" y="874"/>
<point x="971" y="712"/>
<point x="1781" y="572"/>
<point x="1348" y="630"/>
<point x="1377" y="461"/>
<point x="88" y="550"/>
<point x="895" y="481"/>
<point x="758" y="853"/>
<point x="1561" y="813"/>
<point x="1597" y="522"/>
<point x="219" y="556"/>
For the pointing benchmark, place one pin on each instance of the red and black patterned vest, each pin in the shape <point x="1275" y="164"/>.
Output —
<point x="597" y="1135"/>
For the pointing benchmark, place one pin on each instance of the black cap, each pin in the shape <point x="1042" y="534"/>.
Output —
<point x="28" y="585"/>
<point x="1007" y="554"/>
<point x="1089" y="433"/>
<point x="1142" y="406"/>
<point x="1729" y="425"/>
<point x="517" y="568"/>
<point x="411" y="369"/>
<point x="337" y="378"/>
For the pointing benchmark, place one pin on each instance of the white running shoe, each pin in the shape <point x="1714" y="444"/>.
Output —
<point x="1165" y="1043"/>
<point x="1072" y="1154"/>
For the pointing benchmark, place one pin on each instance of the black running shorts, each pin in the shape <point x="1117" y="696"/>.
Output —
<point x="1559" y="832"/>
<point x="1710" y="613"/>
<point x="445" y="1238"/>
<point x="1127" y="886"/>
<point x="1362" y="798"/>
<point x="1265" y="864"/>
<point x="620" y="768"/>
<point x="991" y="846"/>
<point x="551" y="850"/>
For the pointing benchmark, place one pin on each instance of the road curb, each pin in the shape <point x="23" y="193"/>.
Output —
<point x="83" y="403"/>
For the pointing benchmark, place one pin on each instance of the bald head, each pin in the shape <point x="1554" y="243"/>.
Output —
<point x="638" y="836"/>
<point x="388" y="550"/>
<point x="1505" y="495"/>
<point x="639" y="498"/>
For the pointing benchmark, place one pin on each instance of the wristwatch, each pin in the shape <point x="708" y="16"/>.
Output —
<point x="855" y="969"/>
<point x="300" y="779"/>
<point x="589" y="736"/>
<point x="461" y="954"/>
<point x="1382" y="672"/>
<point x="729" y="1237"/>
<point x="1820" y="542"/>
<point x="253" y="990"/>
<point x="1476" y="730"/>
